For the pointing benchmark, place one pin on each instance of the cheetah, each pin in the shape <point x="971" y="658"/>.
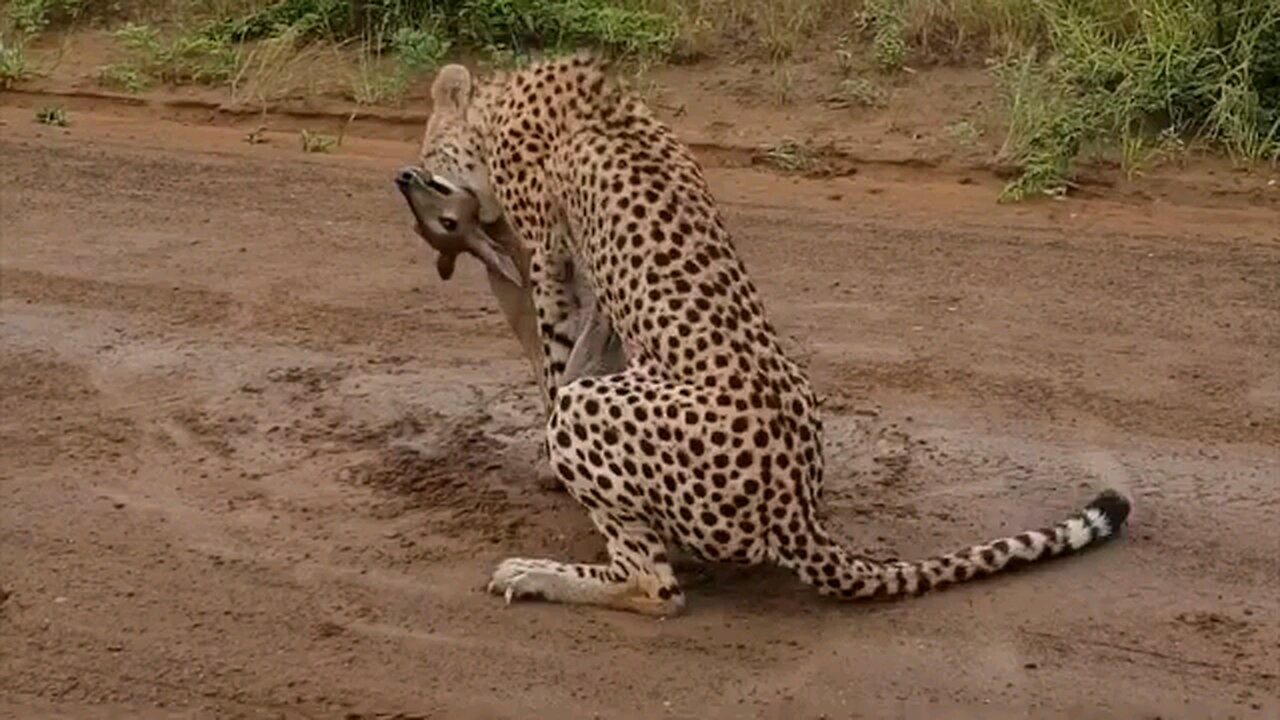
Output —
<point x="710" y="440"/>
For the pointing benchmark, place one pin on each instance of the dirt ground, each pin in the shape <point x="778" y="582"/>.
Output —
<point x="257" y="460"/>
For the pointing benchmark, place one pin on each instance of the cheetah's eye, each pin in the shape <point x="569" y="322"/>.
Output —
<point x="449" y="224"/>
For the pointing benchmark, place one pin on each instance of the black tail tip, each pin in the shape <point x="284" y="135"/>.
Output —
<point x="1113" y="506"/>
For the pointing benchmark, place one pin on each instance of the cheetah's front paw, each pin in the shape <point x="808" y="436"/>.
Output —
<point x="518" y="578"/>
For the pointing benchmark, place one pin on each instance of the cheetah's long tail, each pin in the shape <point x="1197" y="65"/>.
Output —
<point x="836" y="571"/>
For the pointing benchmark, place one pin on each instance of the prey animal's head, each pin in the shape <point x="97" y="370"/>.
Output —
<point x="448" y="218"/>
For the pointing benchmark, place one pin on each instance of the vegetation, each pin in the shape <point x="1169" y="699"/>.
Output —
<point x="1141" y="73"/>
<point x="13" y="64"/>
<point x="789" y="155"/>
<point x="179" y="60"/>
<point x="1149" y="78"/>
<point x="313" y="142"/>
<point x="52" y="115"/>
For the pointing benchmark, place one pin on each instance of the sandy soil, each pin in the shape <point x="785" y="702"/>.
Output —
<point x="256" y="460"/>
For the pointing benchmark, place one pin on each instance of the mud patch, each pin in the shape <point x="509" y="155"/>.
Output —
<point x="1213" y="623"/>
<point x="29" y="379"/>
<point x="48" y="410"/>
<point x="455" y="478"/>
<point x="871" y="453"/>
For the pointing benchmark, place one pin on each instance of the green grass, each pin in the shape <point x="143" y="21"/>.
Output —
<point x="518" y="26"/>
<point x="184" y="59"/>
<point x="1170" y="69"/>
<point x="13" y="63"/>
<point x="31" y="17"/>
<point x="790" y="156"/>
<point x="313" y="142"/>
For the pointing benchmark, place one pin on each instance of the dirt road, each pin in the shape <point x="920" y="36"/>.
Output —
<point x="257" y="460"/>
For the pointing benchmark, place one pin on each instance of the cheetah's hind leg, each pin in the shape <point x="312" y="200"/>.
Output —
<point x="599" y="467"/>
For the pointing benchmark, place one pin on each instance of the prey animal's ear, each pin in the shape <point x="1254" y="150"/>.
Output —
<point x="494" y="256"/>
<point x="445" y="263"/>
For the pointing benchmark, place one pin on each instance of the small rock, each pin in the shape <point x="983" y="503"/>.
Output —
<point x="115" y="647"/>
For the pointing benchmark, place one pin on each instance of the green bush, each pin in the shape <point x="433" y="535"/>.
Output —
<point x="13" y="64"/>
<point x="1171" y="67"/>
<point x="420" y="50"/>
<point x="517" y="25"/>
<point x="523" y="25"/>
<point x="183" y="59"/>
<point x="30" y="17"/>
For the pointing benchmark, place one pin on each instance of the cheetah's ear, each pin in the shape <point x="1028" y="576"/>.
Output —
<point x="490" y="209"/>
<point x="451" y="91"/>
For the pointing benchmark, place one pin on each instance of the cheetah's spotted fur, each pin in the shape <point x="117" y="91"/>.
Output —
<point x="710" y="440"/>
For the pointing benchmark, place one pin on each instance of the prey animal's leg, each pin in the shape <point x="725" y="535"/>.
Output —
<point x="595" y="336"/>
